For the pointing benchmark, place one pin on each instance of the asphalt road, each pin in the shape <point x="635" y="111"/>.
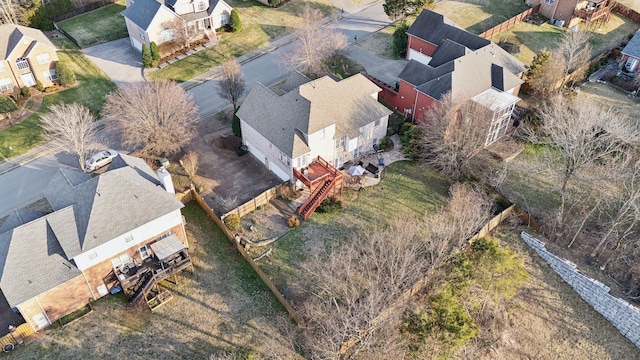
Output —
<point x="266" y="69"/>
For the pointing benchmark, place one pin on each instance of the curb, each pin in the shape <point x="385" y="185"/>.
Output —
<point x="23" y="159"/>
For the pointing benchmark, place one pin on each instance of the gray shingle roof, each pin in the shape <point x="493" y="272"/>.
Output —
<point x="435" y="28"/>
<point x="287" y="120"/>
<point x="142" y="12"/>
<point x="36" y="256"/>
<point x="11" y="35"/>
<point x="633" y="47"/>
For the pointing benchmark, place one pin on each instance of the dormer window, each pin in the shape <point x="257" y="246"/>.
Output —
<point x="201" y="6"/>
<point x="22" y="63"/>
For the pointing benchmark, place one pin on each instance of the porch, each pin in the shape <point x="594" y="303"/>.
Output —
<point x="595" y="10"/>
<point x="322" y="179"/>
<point x="137" y="281"/>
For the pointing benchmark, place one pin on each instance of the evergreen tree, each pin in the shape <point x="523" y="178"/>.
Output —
<point x="400" y="39"/>
<point x="146" y="56"/>
<point x="155" y="53"/>
<point x="65" y="75"/>
<point x="234" y="22"/>
<point x="7" y="104"/>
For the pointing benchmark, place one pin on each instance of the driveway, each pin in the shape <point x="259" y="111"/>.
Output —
<point x="118" y="59"/>
<point x="383" y="69"/>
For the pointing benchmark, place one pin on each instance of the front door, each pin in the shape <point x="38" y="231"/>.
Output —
<point x="28" y="80"/>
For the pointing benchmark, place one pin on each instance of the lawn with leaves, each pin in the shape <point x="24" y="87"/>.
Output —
<point x="407" y="190"/>
<point x="260" y="25"/>
<point x="222" y="306"/>
<point x="93" y="85"/>
<point x="97" y="26"/>
<point x="480" y="15"/>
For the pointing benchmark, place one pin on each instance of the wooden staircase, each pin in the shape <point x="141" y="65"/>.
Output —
<point x="329" y="182"/>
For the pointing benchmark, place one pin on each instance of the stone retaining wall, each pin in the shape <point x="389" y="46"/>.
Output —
<point x="624" y="316"/>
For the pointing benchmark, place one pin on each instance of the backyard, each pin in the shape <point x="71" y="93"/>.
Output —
<point x="90" y="91"/>
<point x="97" y="26"/>
<point x="223" y="307"/>
<point x="261" y="25"/>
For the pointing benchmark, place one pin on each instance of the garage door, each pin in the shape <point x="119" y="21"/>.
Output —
<point x="257" y="153"/>
<point x="136" y="44"/>
<point x="279" y="172"/>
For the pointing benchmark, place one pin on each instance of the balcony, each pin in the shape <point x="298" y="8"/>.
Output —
<point x="599" y="10"/>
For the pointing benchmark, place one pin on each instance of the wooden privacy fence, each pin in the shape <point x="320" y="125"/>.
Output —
<point x="251" y="205"/>
<point x="294" y="314"/>
<point x="626" y="12"/>
<point x="510" y="23"/>
<point x="24" y="330"/>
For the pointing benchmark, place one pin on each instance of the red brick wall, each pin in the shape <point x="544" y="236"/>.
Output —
<point x="423" y="103"/>
<point x="420" y="45"/>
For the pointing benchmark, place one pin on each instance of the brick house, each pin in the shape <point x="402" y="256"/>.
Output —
<point x="444" y="58"/>
<point x="631" y="54"/>
<point x="84" y="236"/>
<point x="28" y="56"/>
<point x="147" y="20"/>
<point x="570" y="13"/>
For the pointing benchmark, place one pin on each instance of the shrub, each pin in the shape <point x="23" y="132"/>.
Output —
<point x="52" y="88"/>
<point x="330" y="205"/>
<point x="400" y="39"/>
<point x="65" y="74"/>
<point x="25" y="91"/>
<point x="233" y="222"/>
<point x="385" y="143"/>
<point x="234" y="21"/>
<point x="410" y="136"/>
<point x="276" y="3"/>
<point x="146" y="56"/>
<point x="235" y="126"/>
<point x="293" y="222"/>
<point x="155" y="52"/>
<point x="39" y="85"/>
<point x="7" y="104"/>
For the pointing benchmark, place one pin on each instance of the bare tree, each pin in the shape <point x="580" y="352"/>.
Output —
<point x="9" y="10"/>
<point x="355" y="290"/>
<point x="583" y="134"/>
<point x="182" y="34"/>
<point x="231" y="85"/>
<point x="573" y="50"/>
<point x="543" y="77"/>
<point x="190" y="164"/>
<point x="73" y="128"/>
<point x="453" y="134"/>
<point x="315" y="44"/>
<point x="157" y="118"/>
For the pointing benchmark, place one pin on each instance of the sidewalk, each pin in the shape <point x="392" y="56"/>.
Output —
<point x="42" y="150"/>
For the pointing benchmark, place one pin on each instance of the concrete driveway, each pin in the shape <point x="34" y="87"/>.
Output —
<point x="118" y="59"/>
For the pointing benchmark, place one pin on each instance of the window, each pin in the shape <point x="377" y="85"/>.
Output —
<point x="43" y="59"/>
<point x="120" y="261"/>
<point x="302" y="161"/>
<point x="340" y="142"/>
<point x="142" y="35"/>
<point x="166" y="35"/>
<point x="224" y="19"/>
<point x="6" y="84"/>
<point x="50" y="75"/>
<point x="548" y="2"/>
<point x="22" y="63"/>
<point x="201" y="6"/>
<point x="377" y="123"/>
<point x="2" y="68"/>
<point x="144" y="252"/>
<point x="284" y="158"/>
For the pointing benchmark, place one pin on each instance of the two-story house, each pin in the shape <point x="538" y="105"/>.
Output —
<point x="444" y="58"/>
<point x="147" y="20"/>
<point x="85" y="237"/>
<point x="28" y="56"/>
<point x="336" y="120"/>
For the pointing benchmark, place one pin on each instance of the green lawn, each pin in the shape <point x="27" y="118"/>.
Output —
<point x="93" y="85"/>
<point x="407" y="190"/>
<point x="221" y="306"/>
<point x="97" y="26"/>
<point x="478" y="16"/>
<point x="537" y="37"/>
<point x="261" y="25"/>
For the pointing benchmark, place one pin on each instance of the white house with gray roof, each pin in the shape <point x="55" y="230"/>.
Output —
<point x="62" y="249"/>
<point x="336" y="120"/>
<point x="147" y="20"/>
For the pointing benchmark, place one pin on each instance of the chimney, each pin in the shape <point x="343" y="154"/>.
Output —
<point x="165" y="179"/>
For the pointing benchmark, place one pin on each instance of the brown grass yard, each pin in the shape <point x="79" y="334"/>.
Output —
<point x="608" y="96"/>
<point x="548" y="319"/>
<point x="223" y="306"/>
<point x="480" y="15"/>
<point x="260" y="25"/>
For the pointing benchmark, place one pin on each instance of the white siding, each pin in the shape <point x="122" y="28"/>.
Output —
<point x="323" y="143"/>
<point x="216" y="18"/>
<point x="264" y="151"/>
<point x="418" y="56"/>
<point x="120" y="243"/>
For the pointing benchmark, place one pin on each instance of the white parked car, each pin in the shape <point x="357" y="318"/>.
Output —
<point x="100" y="159"/>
